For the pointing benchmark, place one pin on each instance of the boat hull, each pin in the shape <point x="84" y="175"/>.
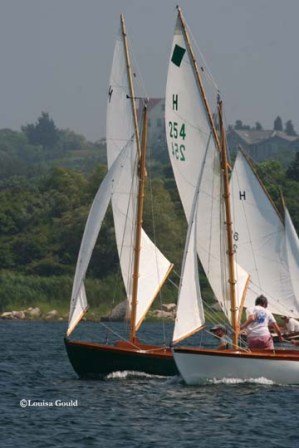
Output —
<point x="92" y="360"/>
<point x="199" y="365"/>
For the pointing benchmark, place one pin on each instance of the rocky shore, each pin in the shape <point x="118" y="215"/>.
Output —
<point x="32" y="314"/>
<point x="121" y="312"/>
<point x="118" y="314"/>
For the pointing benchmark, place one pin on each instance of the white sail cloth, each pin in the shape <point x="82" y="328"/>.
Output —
<point x="192" y="151"/>
<point x="292" y="251"/>
<point x="264" y="247"/>
<point x="120" y="130"/>
<point x="93" y="225"/>
<point x="190" y="315"/>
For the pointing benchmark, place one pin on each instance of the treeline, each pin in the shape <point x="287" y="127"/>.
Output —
<point x="43" y="211"/>
<point x="288" y="127"/>
<point x="42" y="145"/>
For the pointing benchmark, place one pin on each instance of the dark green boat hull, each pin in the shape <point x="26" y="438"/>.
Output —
<point x="92" y="360"/>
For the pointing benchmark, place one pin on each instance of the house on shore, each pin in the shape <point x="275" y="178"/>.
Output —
<point x="261" y="144"/>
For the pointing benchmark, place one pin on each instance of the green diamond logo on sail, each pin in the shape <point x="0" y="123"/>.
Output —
<point x="177" y="55"/>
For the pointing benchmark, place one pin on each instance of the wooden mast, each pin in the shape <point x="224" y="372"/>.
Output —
<point x="198" y="78"/>
<point x="139" y="221"/>
<point x="225" y="167"/>
<point x="229" y="229"/>
<point x="141" y="175"/>
<point x="131" y="86"/>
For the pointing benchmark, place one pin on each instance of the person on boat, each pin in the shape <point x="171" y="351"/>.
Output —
<point x="220" y="333"/>
<point x="257" y="326"/>
<point x="291" y="325"/>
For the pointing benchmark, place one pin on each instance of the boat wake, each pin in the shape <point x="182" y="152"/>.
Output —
<point x="127" y="374"/>
<point x="173" y="380"/>
<point x="261" y="380"/>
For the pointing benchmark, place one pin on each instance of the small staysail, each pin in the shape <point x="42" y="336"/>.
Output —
<point x="120" y="129"/>
<point x="260" y="241"/>
<point x="93" y="225"/>
<point x="190" y="313"/>
<point x="192" y="150"/>
<point x="292" y="250"/>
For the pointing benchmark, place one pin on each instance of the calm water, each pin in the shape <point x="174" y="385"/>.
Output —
<point x="129" y="410"/>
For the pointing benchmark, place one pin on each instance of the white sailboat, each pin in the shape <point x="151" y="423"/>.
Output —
<point x="144" y="268"/>
<point x="199" y="159"/>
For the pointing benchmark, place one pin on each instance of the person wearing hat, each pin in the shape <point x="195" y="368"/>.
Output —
<point x="220" y="333"/>
<point x="291" y="325"/>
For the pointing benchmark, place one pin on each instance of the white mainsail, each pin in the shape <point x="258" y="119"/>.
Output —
<point x="93" y="225"/>
<point x="120" y="129"/>
<point x="260" y="242"/>
<point x="192" y="150"/>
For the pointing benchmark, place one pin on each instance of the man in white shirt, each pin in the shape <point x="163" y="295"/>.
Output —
<point x="291" y="325"/>
<point x="257" y="326"/>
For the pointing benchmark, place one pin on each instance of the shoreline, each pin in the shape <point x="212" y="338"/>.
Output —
<point x="36" y="314"/>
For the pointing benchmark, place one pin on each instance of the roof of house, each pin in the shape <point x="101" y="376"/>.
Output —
<point x="253" y="136"/>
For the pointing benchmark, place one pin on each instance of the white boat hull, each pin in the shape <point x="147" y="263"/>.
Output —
<point x="198" y="366"/>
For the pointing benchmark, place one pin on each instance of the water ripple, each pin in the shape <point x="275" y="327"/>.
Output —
<point x="129" y="409"/>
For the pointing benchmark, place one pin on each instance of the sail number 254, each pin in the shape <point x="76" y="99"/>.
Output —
<point x="177" y="131"/>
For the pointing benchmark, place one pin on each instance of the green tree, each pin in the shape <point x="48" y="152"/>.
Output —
<point x="289" y="128"/>
<point x="43" y="133"/>
<point x="278" y="124"/>
<point x="258" y="126"/>
<point x="293" y="170"/>
<point x="240" y="126"/>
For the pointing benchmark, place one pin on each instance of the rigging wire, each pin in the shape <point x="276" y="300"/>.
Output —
<point x="204" y="66"/>
<point x="138" y="74"/>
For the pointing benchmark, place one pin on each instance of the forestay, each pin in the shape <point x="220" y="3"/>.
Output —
<point x="93" y="225"/>
<point x="259" y="236"/>
<point x="120" y="130"/>
<point x="191" y="151"/>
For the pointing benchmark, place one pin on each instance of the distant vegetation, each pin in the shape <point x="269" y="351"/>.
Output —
<point x="48" y="178"/>
<point x="277" y="126"/>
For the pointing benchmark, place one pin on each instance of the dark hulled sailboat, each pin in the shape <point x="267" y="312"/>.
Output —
<point x="144" y="268"/>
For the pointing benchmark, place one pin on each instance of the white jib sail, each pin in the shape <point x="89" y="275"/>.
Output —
<point x="260" y="241"/>
<point x="191" y="149"/>
<point x="190" y="313"/>
<point x="154" y="267"/>
<point x="93" y="225"/>
<point x="292" y="249"/>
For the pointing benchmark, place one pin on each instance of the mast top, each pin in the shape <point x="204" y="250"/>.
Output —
<point x="199" y="79"/>
<point x="130" y="81"/>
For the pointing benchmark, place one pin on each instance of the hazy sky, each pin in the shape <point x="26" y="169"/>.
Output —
<point x="56" y="56"/>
